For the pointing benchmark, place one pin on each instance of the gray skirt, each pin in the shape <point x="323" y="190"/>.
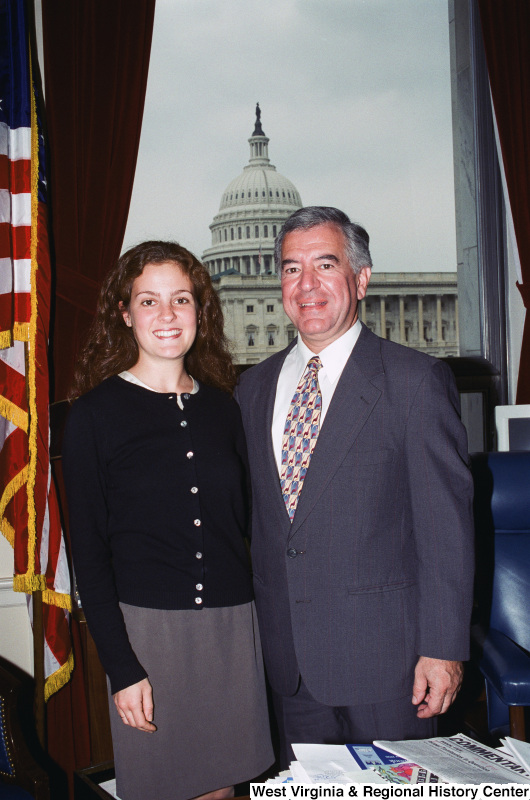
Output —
<point x="206" y="671"/>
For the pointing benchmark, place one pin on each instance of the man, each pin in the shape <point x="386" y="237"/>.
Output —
<point x="362" y="521"/>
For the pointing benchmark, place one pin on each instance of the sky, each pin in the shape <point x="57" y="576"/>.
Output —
<point x="355" y="99"/>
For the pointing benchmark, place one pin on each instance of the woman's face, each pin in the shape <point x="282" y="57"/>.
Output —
<point x="162" y="313"/>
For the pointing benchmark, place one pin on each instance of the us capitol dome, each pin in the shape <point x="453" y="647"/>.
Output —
<point x="252" y="210"/>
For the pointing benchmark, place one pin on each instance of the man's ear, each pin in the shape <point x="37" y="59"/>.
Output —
<point x="363" y="279"/>
<point x="125" y="314"/>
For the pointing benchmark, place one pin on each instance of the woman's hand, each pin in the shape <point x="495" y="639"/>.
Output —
<point x="135" y="705"/>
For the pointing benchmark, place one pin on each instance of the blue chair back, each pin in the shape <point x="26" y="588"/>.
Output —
<point x="502" y="508"/>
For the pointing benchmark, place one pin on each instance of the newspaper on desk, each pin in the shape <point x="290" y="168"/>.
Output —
<point x="459" y="759"/>
<point x="518" y="750"/>
<point x="350" y="763"/>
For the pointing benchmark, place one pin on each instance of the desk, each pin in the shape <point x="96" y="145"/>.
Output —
<point x="87" y="783"/>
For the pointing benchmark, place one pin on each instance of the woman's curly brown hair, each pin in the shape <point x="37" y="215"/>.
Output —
<point x="111" y="347"/>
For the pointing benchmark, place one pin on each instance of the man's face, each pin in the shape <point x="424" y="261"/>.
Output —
<point x="320" y="290"/>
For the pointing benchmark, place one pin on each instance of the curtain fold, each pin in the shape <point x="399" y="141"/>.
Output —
<point x="505" y="29"/>
<point x="96" y="57"/>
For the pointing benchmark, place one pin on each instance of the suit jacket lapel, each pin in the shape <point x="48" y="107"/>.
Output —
<point x="356" y="390"/>
<point x="263" y="420"/>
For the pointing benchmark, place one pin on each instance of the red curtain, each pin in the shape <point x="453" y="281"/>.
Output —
<point x="506" y="32"/>
<point x="96" y="60"/>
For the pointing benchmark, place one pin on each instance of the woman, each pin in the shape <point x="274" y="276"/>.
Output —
<point x="155" y="473"/>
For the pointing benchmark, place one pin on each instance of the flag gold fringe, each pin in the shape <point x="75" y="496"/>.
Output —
<point x="21" y="330"/>
<point x="29" y="582"/>
<point x="20" y="333"/>
<point x="58" y="679"/>
<point x="30" y="578"/>
<point x="53" y="598"/>
<point x="10" y="491"/>
<point x="8" y="531"/>
<point x="14" y="414"/>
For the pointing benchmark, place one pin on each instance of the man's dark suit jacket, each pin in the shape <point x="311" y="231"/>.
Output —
<point x="376" y="568"/>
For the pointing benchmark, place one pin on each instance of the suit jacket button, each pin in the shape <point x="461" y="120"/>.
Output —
<point x="292" y="553"/>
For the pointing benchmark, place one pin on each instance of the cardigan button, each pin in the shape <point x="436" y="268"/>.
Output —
<point x="190" y="454"/>
<point x="198" y="555"/>
<point x="198" y="600"/>
<point x="194" y="490"/>
<point x="199" y="587"/>
<point x="196" y="522"/>
<point x="292" y="553"/>
<point x="183" y="423"/>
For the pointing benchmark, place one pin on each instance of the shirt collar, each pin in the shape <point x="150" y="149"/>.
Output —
<point x="128" y="376"/>
<point x="334" y="356"/>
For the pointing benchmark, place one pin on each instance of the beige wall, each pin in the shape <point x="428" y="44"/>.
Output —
<point x="16" y="640"/>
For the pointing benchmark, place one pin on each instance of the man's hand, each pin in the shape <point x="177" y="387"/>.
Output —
<point x="436" y="684"/>
<point x="135" y="705"/>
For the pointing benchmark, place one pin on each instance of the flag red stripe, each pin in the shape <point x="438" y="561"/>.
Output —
<point x="13" y="385"/>
<point x="13" y="456"/>
<point x="15" y="243"/>
<point x="15" y="175"/>
<point x="57" y="632"/>
<point x="15" y="307"/>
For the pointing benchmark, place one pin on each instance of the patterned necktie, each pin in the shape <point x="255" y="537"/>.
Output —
<point x="300" y="434"/>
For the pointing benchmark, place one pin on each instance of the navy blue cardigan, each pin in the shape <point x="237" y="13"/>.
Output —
<point x="158" y="508"/>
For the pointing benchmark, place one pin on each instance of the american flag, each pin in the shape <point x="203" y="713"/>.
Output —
<point x="29" y="516"/>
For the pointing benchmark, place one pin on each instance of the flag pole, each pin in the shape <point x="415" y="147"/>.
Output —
<point x="39" y="706"/>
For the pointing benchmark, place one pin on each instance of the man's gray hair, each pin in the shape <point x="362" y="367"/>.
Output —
<point x="357" y="239"/>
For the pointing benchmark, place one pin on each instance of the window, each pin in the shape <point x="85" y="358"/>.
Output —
<point x="291" y="333"/>
<point x="248" y="231"/>
<point x="270" y="339"/>
<point x="265" y="230"/>
<point x="250" y="340"/>
<point x="250" y="309"/>
<point x="256" y="231"/>
<point x="274" y="230"/>
<point x="270" y="309"/>
<point x="231" y="233"/>
<point x="388" y="333"/>
<point x="225" y="235"/>
<point x="239" y="233"/>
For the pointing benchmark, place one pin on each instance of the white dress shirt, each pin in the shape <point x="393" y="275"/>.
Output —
<point x="333" y="358"/>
